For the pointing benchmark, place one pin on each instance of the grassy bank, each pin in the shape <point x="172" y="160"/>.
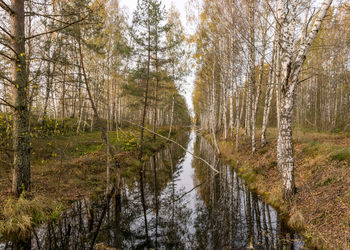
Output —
<point x="320" y="210"/>
<point x="66" y="168"/>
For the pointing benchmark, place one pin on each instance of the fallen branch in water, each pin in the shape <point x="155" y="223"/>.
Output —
<point x="195" y="187"/>
<point x="165" y="138"/>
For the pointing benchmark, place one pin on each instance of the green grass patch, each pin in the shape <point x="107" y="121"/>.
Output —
<point x="332" y="152"/>
<point x="312" y="149"/>
<point x="326" y="182"/>
<point x="342" y="154"/>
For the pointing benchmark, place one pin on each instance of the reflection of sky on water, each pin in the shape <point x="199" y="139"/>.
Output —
<point x="185" y="179"/>
<point x="185" y="182"/>
<point x="220" y="214"/>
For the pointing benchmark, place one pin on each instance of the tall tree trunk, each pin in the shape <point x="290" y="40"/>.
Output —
<point x="251" y="66"/>
<point x="156" y="200"/>
<point x="145" y="93"/>
<point x="108" y="175"/>
<point x="224" y="115"/>
<point x="156" y="100"/>
<point x="231" y="108"/>
<point x="47" y="91"/>
<point x="21" y="136"/>
<point x="212" y="107"/>
<point x="268" y="96"/>
<point x="104" y="135"/>
<point x="289" y="81"/>
<point x="172" y="116"/>
<point x="237" y="117"/>
<point x="261" y="73"/>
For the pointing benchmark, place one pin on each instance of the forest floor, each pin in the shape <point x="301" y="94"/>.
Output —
<point x="320" y="210"/>
<point x="66" y="168"/>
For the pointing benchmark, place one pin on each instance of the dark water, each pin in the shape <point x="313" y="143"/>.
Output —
<point x="187" y="206"/>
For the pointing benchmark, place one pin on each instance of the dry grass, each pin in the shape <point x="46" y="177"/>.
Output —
<point x="64" y="169"/>
<point x="21" y="215"/>
<point x="297" y="221"/>
<point x="321" y="207"/>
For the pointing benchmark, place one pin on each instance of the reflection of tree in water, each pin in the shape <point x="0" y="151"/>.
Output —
<point x="220" y="214"/>
<point x="167" y="215"/>
<point x="166" y="218"/>
<point x="231" y="217"/>
<point x="125" y="229"/>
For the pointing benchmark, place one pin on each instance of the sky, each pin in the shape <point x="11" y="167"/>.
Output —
<point x="130" y="5"/>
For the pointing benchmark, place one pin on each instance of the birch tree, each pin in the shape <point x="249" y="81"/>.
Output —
<point x="292" y="59"/>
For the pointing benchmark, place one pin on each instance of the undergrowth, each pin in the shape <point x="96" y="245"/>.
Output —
<point x="19" y="216"/>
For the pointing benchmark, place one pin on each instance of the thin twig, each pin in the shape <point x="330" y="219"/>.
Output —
<point x="165" y="138"/>
<point x="58" y="29"/>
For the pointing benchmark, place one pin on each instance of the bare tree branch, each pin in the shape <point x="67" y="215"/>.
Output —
<point x="58" y="29"/>
<point x="6" y="7"/>
<point x="6" y="103"/>
<point x="6" y="56"/>
<point x="6" y="78"/>
<point x="7" y="33"/>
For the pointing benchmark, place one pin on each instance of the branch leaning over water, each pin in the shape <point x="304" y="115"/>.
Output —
<point x="195" y="187"/>
<point x="165" y="138"/>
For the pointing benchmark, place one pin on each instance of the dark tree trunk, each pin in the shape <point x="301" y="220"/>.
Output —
<point x="21" y="136"/>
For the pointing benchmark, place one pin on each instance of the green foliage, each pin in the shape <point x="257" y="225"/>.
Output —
<point x="5" y="125"/>
<point x="127" y="144"/>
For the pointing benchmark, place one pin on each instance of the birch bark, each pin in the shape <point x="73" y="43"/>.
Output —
<point x="251" y="67"/>
<point x="261" y="72"/>
<point x="290" y="70"/>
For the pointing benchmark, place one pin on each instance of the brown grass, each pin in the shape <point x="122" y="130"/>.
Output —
<point x="64" y="169"/>
<point x="321" y="207"/>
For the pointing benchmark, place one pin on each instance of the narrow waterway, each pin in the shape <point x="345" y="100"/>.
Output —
<point x="187" y="206"/>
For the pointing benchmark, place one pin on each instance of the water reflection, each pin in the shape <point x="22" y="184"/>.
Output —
<point x="184" y="205"/>
<point x="231" y="216"/>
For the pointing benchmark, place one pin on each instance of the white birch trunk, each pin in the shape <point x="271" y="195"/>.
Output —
<point x="231" y="108"/>
<point x="289" y="80"/>
<point x="268" y="96"/>
<point x="213" y="116"/>
<point x="224" y="116"/>
<point x="251" y="68"/>
<point x="261" y="72"/>
<point x="237" y="117"/>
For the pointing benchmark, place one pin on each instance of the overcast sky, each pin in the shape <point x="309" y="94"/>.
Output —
<point x="180" y="5"/>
